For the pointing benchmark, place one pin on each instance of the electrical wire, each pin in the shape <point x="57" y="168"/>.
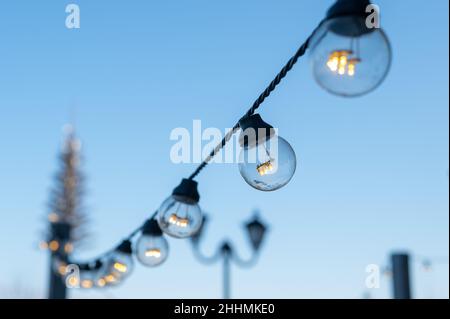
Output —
<point x="258" y="102"/>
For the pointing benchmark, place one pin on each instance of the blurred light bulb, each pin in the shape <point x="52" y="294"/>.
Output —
<point x="88" y="274"/>
<point x="122" y="268"/>
<point x="53" y="245"/>
<point x="344" y="41"/>
<point x="111" y="278"/>
<point x="87" y="283"/>
<point x="118" y="265"/>
<point x="73" y="281"/>
<point x="53" y="218"/>
<point x="152" y="248"/>
<point x="266" y="162"/>
<point x="43" y="245"/>
<point x="180" y="215"/>
<point x="59" y="266"/>
<point x="68" y="248"/>
<point x="101" y="282"/>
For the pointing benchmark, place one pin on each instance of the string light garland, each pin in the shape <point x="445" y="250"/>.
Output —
<point x="348" y="59"/>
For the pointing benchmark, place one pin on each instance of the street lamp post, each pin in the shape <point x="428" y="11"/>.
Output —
<point x="255" y="230"/>
<point x="60" y="235"/>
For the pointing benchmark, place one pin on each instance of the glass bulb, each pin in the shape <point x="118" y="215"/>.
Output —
<point x="152" y="250"/>
<point x="115" y="269"/>
<point x="347" y="58"/>
<point x="179" y="216"/>
<point x="59" y="266"/>
<point x="268" y="165"/>
<point x="87" y="279"/>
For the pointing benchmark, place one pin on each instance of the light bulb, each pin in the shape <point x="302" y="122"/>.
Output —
<point x="152" y="248"/>
<point x="87" y="283"/>
<point x="349" y="58"/>
<point x="59" y="266"/>
<point x="53" y="245"/>
<point x="118" y="266"/>
<point x="88" y="275"/>
<point x="266" y="162"/>
<point x="180" y="215"/>
<point x="100" y="282"/>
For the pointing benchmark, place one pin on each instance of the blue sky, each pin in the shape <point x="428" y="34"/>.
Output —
<point x="372" y="172"/>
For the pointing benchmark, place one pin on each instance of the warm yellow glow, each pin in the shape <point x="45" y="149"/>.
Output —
<point x="53" y="245"/>
<point x="86" y="283"/>
<point x="62" y="269"/>
<point x="120" y="267"/>
<point x="178" y="221"/>
<point x="333" y="62"/>
<point x="340" y="62"/>
<point x="351" y="70"/>
<point x="73" y="281"/>
<point x="264" y="168"/>
<point x="153" y="253"/>
<point x="110" y="278"/>
<point x="43" y="245"/>
<point x="68" y="248"/>
<point x="101" y="282"/>
<point x="53" y="217"/>
<point x="352" y="66"/>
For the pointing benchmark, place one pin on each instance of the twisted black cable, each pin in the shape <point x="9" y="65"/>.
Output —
<point x="260" y="100"/>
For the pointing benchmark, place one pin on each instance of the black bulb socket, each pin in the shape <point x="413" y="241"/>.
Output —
<point x="125" y="247"/>
<point x="254" y="131"/>
<point x="187" y="191"/>
<point x="151" y="228"/>
<point x="353" y="14"/>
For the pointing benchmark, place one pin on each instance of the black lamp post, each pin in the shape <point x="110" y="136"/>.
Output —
<point x="255" y="230"/>
<point x="60" y="236"/>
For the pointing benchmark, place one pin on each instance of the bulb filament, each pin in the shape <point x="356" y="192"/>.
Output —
<point x="120" y="267"/>
<point x="264" y="168"/>
<point x="342" y="63"/>
<point x="153" y="253"/>
<point x="177" y="221"/>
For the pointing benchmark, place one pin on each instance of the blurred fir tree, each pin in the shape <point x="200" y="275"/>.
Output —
<point x="67" y="218"/>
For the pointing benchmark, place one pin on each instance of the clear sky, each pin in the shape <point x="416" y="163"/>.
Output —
<point x="372" y="174"/>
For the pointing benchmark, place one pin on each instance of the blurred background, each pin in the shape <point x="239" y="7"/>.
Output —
<point x="372" y="175"/>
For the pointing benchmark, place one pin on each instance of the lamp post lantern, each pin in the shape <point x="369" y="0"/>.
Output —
<point x="256" y="231"/>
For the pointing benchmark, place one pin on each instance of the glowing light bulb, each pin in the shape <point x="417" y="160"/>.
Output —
<point x="73" y="281"/>
<point x="110" y="278"/>
<point x="101" y="282"/>
<point x="152" y="248"/>
<point x="120" y="267"/>
<point x="53" y="245"/>
<point x="180" y="215"/>
<point x="59" y="266"/>
<point x="53" y="217"/>
<point x="62" y="269"/>
<point x="266" y="162"/>
<point x="87" y="283"/>
<point x="68" y="247"/>
<point x="364" y="62"/>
